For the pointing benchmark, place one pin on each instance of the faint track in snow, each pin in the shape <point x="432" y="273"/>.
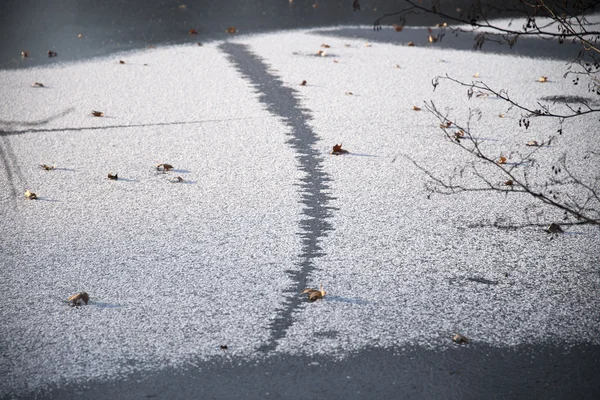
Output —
<point x="282" y="101"/>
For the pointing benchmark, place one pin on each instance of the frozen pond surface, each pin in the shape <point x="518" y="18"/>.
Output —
<point x="177" y="270"/>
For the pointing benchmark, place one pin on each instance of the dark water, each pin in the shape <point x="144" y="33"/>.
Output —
<point x="556" y="371"/>
<point x="108" y="26"/>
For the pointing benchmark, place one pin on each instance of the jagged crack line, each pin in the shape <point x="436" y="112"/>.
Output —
<point x="282" y="101"/>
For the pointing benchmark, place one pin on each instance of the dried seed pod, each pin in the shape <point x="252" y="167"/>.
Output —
<point x="97" y="113"/>
<point x="554" y="228"/>
<point x="113" y="177"/>
<point x="337" y="150"/>
<point x="460" y="339"/>
<point x="314" y="294"/>
<point x="164" y="167"/>
<point x="303" y="83"/>
<point x="37" y="84"/>
<point x="52" y="53"/>
<point x="77" y="298"/>
<point x="29" y="195"/>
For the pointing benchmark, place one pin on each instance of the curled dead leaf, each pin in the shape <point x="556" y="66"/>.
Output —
<point x="532" y="143"/>
<point x="29" y="195"/>
<point x="337" y="150"/>
<point x="52" y="53"/>
<point x="543" y="79"/>
<point x="303" y="83"/>
<point x="314" y="294"/>
<point x="113" y="177"/>
<point x="97" y="113"/>
<point x="460" y="339"/>
<point x="192" y="31"/>
<point x="77" y="298"/>
<point x="164" y="167"/>
<point x="37" y="84"/>
<point x="416" y="108"/>
<point x="502" y="160"/>
<point x="231" y="30"/>
<point x="398" y="28"/>
<point x="410" y="44"/>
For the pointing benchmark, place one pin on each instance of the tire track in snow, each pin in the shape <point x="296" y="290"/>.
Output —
<point x="283" y="102"/>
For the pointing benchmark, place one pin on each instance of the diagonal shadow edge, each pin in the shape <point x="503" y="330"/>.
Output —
<point x="314" y="188"/>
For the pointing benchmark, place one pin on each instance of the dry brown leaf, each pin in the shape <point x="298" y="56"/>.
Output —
<point x="502" y="160"/>
<point x="410" y="44"/>
<point x="97" y="113"/>
<point x="532" y="143"/>
<point x="509" y="183"/>
<point x="460" y="339"/>
<point x="303" y="83"/>
<point x="177" y="179"/>
<point x="337" y="150"/>
<point x="52" y="53"/>
<point x="29" y="195"/>
<point x="398" y="28"/>
<point x="314" y="294"/>
<point x="325" y="46"/>
<point x="75" y="300"/>
<point x="543" y="79"/>
<point x="113" y="177"/>
<point x="231" y="30"/>
<point x="416" y="108"/>
<point x="37" y="84"/>
<point x="48" y="167"/>
<point x="192" y="31"/>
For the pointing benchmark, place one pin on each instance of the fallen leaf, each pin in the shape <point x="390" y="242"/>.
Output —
<point x="325" y="46"/>
<point x="349" y="93"/>
<point x="322" y="53"/>
<point x="164" y="167"/>
<point x="113" y="177"/>
<point x="502" y="160"/>
<point x="446" y="125"/>
<point x="52" y="53"/>
<point x="460" y="339"/>
<point x="97" y="113"/>
<point x="554" y="228"/>
<point x="231" y="30"/>
<point x="508" y="183"/>
<point x="177" y="179"/>
<point x="501" y="115"/>
<point x="337" y="150"/>
<point x="37" y="84"/>
<point x="398" y="28"/>
<point x="192" y="31"/>
<point x="75" y="300"/>
<point x="410" y="44"/>
<point x="532" y="143"/>
<point x="416" y="108"/>
<point x="29" y="195"/>
<point x="121" y="62"/>
<point x="303" y="83"/>
<point x="314" y="294"/>
<point x="543" y="79"/>
<point x="24" y="54"/>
